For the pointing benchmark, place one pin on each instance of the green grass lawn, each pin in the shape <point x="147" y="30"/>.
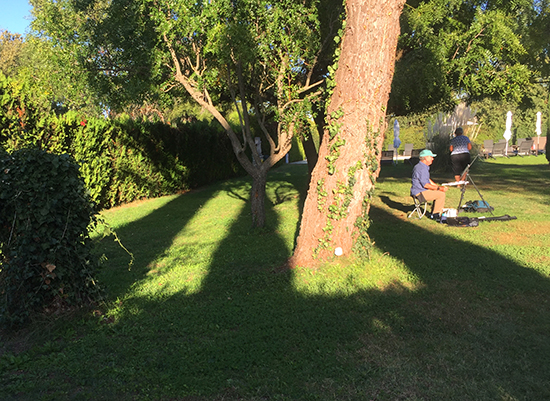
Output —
<point x="201" y="309"/>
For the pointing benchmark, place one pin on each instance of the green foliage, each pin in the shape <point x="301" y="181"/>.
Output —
<point x="11" y="52"/>
<point x="456" y="47"/>
<point x="440" y="146"/>
<point x="113" y="75"/>
<point x="363" y="244"/>
<point x="296" y="152"/>
<point x="45" y="215"/>
<point x="19" y="112"/>
<point x="121" y="160"/>
<point x="257" y="55"/>
<point x="201" y="148"/>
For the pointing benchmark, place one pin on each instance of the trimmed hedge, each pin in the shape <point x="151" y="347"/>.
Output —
<point x="121" y="160"/>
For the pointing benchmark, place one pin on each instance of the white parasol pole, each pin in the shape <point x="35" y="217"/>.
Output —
<point x="538" y="129"/>
<point x="508" y="132"/>
<point x="396" y="140"/>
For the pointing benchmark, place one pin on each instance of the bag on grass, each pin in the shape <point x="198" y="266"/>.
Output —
<point x="462" y="221"/>
<point x="477" y="206"/>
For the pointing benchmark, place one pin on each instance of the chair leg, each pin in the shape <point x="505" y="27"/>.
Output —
<point x="419" y="208"/>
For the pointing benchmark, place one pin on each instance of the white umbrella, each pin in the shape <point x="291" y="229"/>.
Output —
<point x="508" y="133"/>
<point x="538" y="129"/>
<point x="396" y="140"/>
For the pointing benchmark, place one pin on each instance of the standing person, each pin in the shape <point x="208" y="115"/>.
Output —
<point x="424" y="188"/>
<point x="460" y="153"/>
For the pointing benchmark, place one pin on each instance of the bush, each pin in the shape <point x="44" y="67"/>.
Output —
<point x="123" y="160"/>
<point x="440" y="146"/>
<point x="45" y="215"/>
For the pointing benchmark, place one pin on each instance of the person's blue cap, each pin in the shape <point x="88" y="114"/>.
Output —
<point x="427" y="152"/>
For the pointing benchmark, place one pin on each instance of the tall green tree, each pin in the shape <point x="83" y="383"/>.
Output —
<point x="458" y="48"/>
<point x="257" y="54"/>
<point x="539" y="49"/>
<point x="338" y="200"/>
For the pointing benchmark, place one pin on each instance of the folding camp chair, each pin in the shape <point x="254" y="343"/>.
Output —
<point x="419" y="208"/>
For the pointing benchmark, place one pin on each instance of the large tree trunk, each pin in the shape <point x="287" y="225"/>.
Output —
<point x="337" y="202"/>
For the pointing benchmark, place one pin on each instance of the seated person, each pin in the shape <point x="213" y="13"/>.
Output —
<point x="424" y="188"/>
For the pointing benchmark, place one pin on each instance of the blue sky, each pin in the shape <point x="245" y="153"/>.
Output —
<point x="15" y="15"/>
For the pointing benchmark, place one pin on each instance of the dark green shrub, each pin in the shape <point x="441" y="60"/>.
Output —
<point x="440" y="146"/>
<point x="203" y="148"/>
<point x="45" y="215"/>
<point x="135" y="161"/>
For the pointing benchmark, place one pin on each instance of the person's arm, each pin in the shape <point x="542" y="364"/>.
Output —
<point x="434" y="187"/>
<point x="469" y="146"/>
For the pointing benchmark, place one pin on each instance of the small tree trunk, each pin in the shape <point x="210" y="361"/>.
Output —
<point x="311" y="153"/>
<point x="257" y="198"/>
<point x="337" y="203"/>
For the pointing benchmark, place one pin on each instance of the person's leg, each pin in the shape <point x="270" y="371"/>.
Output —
<point x="456" y="167"/>
<point x="438" y="197"/>
<point x="466" y="158"/>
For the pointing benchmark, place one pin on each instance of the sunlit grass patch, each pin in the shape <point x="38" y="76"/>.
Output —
<point x="347" y="277"/>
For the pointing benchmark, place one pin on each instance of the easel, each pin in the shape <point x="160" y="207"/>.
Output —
<point x="468" y="179"/>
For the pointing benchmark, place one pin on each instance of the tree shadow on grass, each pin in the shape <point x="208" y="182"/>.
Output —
<point x="466" y="329"/>
<point x="402" y="207"/>
<point x="513" y="178"/>
<point x="147" y="240"/>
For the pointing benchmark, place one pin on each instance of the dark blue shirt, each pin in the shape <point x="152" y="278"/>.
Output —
<point x="420" y="177"/>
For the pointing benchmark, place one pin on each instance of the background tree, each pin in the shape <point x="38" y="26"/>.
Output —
<point x="337" y="203"/>
<point x="457" y="48"/>
<point x="539" y="46"/>
<point x="11" y="52"/>
<point x="256" y="54"/>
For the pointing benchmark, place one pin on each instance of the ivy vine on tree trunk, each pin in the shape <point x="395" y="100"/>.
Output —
<point x="338" y="200"/>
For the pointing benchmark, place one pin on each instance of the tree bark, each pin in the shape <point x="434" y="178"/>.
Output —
<point x="311" y="153"/>
<point x="257" y="198"/>
<point x="337" y="203"/>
